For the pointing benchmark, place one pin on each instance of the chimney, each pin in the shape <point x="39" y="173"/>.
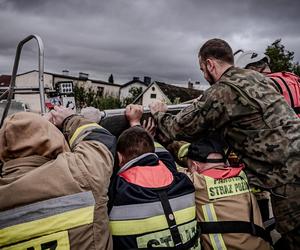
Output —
<point x="135" y="78"/>
<point x="190" y="85"/>
<point x="83" y="76"/>
<point x="147" y="80"/>
<point x="65" y="72"/>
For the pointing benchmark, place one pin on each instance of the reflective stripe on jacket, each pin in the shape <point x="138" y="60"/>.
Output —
<point x="46" y="223"/>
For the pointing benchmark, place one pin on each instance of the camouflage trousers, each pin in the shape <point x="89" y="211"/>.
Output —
<point x="289" y="241"/>
<point x="287" y="213"/>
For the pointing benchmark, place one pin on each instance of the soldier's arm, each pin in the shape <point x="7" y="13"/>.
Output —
<point x="197" y="119"/>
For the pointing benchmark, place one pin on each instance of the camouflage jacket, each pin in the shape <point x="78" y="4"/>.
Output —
<point x="255" y="121"/>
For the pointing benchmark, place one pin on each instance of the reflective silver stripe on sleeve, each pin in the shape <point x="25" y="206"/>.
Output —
<point x="215" y="238"/>
<point x="43" y="209"/>
<point x="160" y="150"/>
<point x="146" y="210"/>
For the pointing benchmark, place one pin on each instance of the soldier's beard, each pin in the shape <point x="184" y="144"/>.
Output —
<point x="209" y="78"/>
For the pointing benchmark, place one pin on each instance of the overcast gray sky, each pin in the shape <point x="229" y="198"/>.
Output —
<point x="157" y="38"/>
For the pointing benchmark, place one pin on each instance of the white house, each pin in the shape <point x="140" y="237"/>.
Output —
<point x="167" y="93"/>
<point x="135" y="82"/>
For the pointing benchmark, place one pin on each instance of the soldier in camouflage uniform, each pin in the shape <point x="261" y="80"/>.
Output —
<point x="255" y="121"/>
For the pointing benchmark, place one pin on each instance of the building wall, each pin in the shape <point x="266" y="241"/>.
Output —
<point x="148" y="97"/>
<point x="109" y="90"/>
<point x="30" y="80"/>
<point x="124" y="91"/>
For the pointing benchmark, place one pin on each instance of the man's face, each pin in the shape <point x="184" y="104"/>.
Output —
<point x="207" y="74"/>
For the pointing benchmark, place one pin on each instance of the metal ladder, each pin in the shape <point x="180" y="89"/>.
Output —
<point x="11" y="90"/>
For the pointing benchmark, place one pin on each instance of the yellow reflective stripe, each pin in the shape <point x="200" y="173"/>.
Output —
<point x="215" y="239"/>
<point x="155" y="223"/>
<point x="49" y="225"/>
<point x="182" y="152"/>
<point x="80" y="129"/>
<point x="158" y="145"/>
<point x="255" y="190"/>
<point x="60" y="240"/>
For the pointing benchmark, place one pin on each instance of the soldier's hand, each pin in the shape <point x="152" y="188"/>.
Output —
<point x="134" y="114"/>
<point x="149" y="126"/>
<point x="158" y="106"/>
<point x="60" y="113"/>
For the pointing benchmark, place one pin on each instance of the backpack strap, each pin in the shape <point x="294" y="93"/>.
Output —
<point x="223" y="227"/>
<point x="277" y="85"/>
<point x="170" y="217"/>
<point x="288" y="90"/>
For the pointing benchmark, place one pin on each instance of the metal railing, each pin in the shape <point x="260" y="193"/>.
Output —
<point x="9" y="93"/>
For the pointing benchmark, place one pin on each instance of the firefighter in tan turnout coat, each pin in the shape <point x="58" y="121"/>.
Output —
<point x="53" y="196"/>
<point x="227" y="211"/>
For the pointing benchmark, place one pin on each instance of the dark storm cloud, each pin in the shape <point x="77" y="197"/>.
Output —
<point x="159" y="38"/>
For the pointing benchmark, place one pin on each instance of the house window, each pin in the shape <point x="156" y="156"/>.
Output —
<point x="153" y="88"/>
<point x="153" y="96"/>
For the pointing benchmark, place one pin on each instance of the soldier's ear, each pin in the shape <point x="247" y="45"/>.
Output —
<point x="210" y="65"/>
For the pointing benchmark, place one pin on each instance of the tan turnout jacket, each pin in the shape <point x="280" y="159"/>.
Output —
<point x="53" y="196"/>
<point x="226" y="200"/>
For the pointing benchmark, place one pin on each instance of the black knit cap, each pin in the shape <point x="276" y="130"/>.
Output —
<point x="200" y="149"/>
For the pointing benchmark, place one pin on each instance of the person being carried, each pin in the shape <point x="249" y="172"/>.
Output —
<point x="53" y="193"/>
<point x="152" y="205"/>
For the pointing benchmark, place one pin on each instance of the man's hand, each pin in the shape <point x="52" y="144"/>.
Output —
<point x="48" y="116"/>
<point x="158" y="106"/>
<point x="134" y="114"/>
<point x="150" y="126"/>
<point x="59" y="114"/>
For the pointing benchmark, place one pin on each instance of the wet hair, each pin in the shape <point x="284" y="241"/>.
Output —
<point x="134" y="142"/>
<point x="217" y="49"/>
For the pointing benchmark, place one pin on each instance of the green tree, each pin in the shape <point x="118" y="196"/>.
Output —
<point x="296" y="69"/>
<point x="89" y="97"/>
<point x="134" y="93"/>
<point x="281" y="58"/>
<point x="111" y="78"/>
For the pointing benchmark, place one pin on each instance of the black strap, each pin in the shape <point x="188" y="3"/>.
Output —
<point x="277" y="85"/>
<point x="170" y="217"/>
<point x="224" y="227"/>
<point x="297" y="110"/>
<point x="288" y="90"/>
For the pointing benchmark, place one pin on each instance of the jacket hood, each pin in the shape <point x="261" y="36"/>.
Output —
<point x="25" y="134"/>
